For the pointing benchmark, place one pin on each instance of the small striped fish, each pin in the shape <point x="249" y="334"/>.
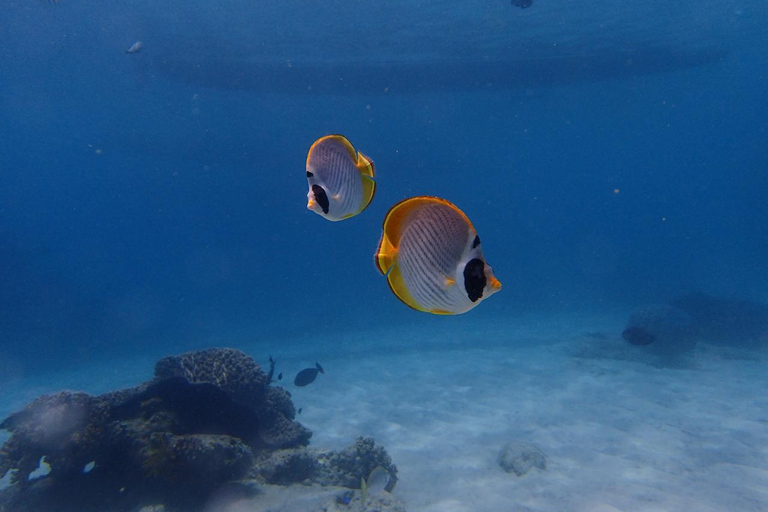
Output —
<point x="340" y="178"/>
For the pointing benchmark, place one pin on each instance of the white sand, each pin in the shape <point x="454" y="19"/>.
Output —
<point x="618" y="435"/>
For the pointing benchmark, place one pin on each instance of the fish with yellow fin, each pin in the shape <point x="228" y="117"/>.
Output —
<point x="340" y="178"/>
<point x="432" y="257"/>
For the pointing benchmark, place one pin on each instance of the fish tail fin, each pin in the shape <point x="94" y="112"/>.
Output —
<point x="363" y="491"/>
<point x="365" y="165"/>
<point x="369" y="190"/>
<point x="385" y="255"/>
<point x="319" y="368"/>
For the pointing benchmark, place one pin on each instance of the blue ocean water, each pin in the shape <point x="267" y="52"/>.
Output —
<point x="609" y="156"/>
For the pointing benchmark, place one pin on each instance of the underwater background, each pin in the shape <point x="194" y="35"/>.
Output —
<point x="610" y="156"/>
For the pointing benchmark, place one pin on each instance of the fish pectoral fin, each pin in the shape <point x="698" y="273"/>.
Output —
<point x="336" y="197"/>
<point x="449" y="281"/>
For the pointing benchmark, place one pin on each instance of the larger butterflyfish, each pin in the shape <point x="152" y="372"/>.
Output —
<point x="432" y="257"/>
<point x="340" y="178"/>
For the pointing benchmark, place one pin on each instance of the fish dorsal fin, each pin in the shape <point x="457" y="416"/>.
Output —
<point x="398" y="214"/>
<point x="339" y="139"/>
<point x="393" y="227"/>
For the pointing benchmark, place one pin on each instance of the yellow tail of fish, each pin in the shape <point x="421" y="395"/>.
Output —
<point x="385" y="255"/>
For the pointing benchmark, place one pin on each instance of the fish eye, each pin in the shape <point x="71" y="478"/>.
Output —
<point x="474" y="279"/>
<point x="321" y="197"/>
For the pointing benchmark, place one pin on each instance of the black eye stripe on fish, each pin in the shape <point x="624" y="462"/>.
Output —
<point x="321" y="197"/>
<point x="474" y="279"/>
<point x="309" y="174"/>
<point x="476" y="242"/>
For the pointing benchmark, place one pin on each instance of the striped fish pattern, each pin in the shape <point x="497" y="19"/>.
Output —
<point x="432" y="257"/>
<point x="340" y="179"/>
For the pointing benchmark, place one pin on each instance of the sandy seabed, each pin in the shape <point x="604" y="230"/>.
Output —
<point x="619" y="434"/>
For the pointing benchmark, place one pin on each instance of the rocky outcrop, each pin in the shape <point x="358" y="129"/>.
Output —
<point x="206" y="419"/>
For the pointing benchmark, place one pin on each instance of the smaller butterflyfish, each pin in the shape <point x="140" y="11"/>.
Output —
<point x="378" y="481"/>
<point x="432" y="257"/>
<point x="308" y="375"/>
<point x="340" y="178"/>
<point x="135" y="47"/>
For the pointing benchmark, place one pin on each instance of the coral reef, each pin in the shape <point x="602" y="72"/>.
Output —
<point x="206" y="419"/>
<point x="343" y="468"/>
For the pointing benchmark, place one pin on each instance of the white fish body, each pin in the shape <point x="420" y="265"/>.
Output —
<point x="432" y="257"/>
<point x="340" y="179"/>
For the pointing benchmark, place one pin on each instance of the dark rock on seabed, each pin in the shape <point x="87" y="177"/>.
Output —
<point x="519" y="458"/>
<point x="205" y="420"/>
<point x="666" y="330"/>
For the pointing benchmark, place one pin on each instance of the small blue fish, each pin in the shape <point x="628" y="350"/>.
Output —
<point x="345" y="498"/>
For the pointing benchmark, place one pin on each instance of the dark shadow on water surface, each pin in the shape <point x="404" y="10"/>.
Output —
<point x="542" y="69"/>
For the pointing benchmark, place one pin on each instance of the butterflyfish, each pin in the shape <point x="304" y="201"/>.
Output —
<point x="432" y="257"/>
<point x="340" y="178"/>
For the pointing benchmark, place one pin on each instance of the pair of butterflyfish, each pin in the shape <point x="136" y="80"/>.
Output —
<point x="429" y="250"/>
